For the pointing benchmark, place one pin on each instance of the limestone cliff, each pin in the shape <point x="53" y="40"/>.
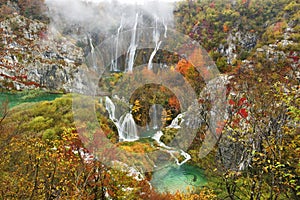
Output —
<point x="32" y="55"/>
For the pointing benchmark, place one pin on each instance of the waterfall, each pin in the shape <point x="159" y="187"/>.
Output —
<point x="114" y="61"/>
<point x="132" y="48"/>
<point x="186" y="155"/>
<point x="157" y="137"/>
<point x="126" y="125"/>
<point x="156" y="36"/>
<point x="154" y="117"/>
<point x="111" y="108"/>
<point x="171" y="150"/>
<point x="128" y="129"/>
<point x="176" y="122"/>
<point x="92" y="52"/>
<point x="166" y="28"/>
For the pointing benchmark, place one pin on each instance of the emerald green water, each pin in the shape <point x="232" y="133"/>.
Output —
<point x="178" y="178"/>
<point x="18" y="98"/>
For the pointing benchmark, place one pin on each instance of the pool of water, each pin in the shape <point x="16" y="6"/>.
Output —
<point x="178" y="178"/>
<point x="18" y="98"/>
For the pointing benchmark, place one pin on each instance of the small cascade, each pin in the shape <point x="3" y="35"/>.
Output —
<point x="133" y="46"/>
<point x="128" y="129"/>
<point x="171" y="150"/>
<point x="186" y="155"/>
<point x="156" y="36"/>
<point x="157" y="137"/>
<point x="154" y="117"/>
<point x="114" y="62"/>
<point x="176" y="122"/>
<point x="111" y="108"/>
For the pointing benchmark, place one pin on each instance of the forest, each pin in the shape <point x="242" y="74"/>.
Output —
<point x="47" y="139"/>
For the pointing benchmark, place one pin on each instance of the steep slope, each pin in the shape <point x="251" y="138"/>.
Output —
<point x="32" y="57"/>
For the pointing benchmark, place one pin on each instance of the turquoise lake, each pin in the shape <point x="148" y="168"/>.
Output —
<point x="18" y="98"/>
<point x="178" y="178"/>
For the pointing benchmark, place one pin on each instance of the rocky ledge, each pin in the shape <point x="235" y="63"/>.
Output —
<point x="32" y="55"/>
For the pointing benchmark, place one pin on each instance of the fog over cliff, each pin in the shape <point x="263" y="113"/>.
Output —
<point x="105" y="16"/>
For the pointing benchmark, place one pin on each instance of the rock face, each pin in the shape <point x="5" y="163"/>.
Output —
<point x="237" y="40"/>
<point x="35" y="56"/>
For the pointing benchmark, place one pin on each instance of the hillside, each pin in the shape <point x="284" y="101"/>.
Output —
<point x="208" y="110"/>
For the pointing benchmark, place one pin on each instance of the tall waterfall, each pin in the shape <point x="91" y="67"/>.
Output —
<point x="166" y="29"/>
<point x="124" y="121"/>
<point x="133" y="46"/>
<point x="156" y="35"/>
<point x="93" y="58"/>
<point x="114" y="62"/>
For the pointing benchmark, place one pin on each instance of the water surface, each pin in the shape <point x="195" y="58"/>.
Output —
<point x="178" y="178"/>
<point x="18" y="98"/>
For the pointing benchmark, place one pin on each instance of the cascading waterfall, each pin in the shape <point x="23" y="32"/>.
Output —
<point x="156" y="35"/>
<point x="171" y="150"/>
<point x="128" y="129"/>
<point x="111" y="108"/>
<point x="133" y="46"/>
<point x="126" y="125"/>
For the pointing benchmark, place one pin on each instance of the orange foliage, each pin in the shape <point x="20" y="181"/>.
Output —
<point x="173" y="102"/>
<point x="195" y="60"/>
<point x="278" y="27"/>
<point x="225" y="28"/>
<point x="183" y="66"/>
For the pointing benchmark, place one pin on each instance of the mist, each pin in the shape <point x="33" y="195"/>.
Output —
<point x="79" y="17"/>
